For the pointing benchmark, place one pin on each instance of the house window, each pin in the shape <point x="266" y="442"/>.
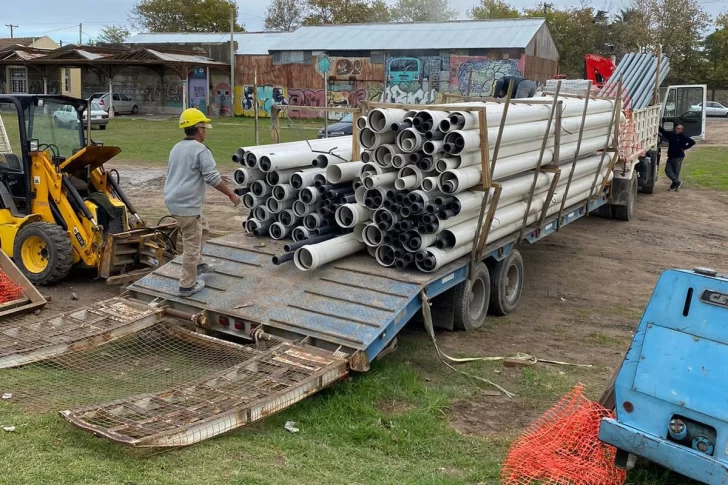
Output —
<point x="66" y="80"/>
<point x="18" y="80"/>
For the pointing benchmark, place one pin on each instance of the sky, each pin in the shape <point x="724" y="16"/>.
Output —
<point x="59" y="19"/>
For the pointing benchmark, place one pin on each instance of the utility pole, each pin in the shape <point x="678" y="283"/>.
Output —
<point x="11" y="29"/>
<point x="232" y="63"/>
<point x="80" y="34"/>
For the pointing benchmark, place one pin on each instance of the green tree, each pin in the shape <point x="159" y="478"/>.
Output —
<point x="716" y="53"/>
<point x="184" y="15"/>
<point x="678" y="26"/>
<point x="493" y="9"/>
<point x="423" y="11"/>
<point x="283" y="15"/>
<point x="319" y="12"/>
<point x="113" y="34"/>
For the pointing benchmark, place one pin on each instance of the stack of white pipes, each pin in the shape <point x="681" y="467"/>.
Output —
<point x="413" y="199"/>
<point x="286" y="188"/>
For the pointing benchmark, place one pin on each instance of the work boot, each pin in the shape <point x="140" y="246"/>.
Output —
<point x="203" y="268"/>
<point x="187" y="292"/>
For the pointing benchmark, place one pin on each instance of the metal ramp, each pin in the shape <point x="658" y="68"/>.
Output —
<point x="268" y="382"/>
<point x="26" y="339"/>
<point x="353" y="304"/>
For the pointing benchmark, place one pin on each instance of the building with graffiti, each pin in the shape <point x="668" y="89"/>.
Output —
<point x="343" y="65"/>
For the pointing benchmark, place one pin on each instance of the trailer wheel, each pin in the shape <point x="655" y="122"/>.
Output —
<point x="654" y="168"/>
<point x="507" y="281"/>
<point x="626" y="212"/>
<point x="471" y="300"/>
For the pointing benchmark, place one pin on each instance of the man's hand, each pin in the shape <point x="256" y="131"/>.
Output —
<point x="235" y="199"/>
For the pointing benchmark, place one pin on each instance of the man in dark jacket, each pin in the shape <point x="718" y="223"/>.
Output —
<point x="522" y="88"/>
<point x="678" y="143"/>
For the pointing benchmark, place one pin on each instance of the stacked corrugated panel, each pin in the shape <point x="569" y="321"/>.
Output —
<point x="637" y="72"/>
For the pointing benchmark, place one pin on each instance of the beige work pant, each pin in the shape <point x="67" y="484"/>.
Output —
<point x="195" y="232"/>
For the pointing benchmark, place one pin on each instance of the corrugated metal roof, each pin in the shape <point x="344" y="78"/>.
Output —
<point x="249" y="43"/>
<point x="468" y="34"/>
<point x="187" y="58"/>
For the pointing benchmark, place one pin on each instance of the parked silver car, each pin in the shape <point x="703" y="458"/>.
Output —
<point x="66" y="116"/>
<point x="713" y="108"/>
<point x="122" y="103"/>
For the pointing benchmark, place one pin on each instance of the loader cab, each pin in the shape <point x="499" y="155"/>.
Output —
<point x="31" y="124"/>
<point x="685" y="105"/>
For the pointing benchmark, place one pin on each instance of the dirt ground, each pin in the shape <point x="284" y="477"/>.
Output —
<point x="585" y="287"/>
<point x="716" y="132"/>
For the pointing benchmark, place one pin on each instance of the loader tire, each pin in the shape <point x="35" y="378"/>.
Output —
<point x="43" y="252"/>
<point x="471" y="300"/>
<point x="506" y="279"/>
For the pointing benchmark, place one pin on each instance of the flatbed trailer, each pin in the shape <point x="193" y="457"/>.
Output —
<point x="353" y="305"/>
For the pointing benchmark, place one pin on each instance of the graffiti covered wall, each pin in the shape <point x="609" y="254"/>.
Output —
<point x="401" y="79"/>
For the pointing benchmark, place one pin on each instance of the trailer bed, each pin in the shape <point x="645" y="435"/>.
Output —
<point x="353" y="305"/>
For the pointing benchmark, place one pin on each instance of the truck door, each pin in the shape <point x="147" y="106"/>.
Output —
<point x="685" y="105"/>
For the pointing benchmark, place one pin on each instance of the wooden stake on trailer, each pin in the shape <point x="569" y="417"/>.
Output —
<point x="554" y="106"/>
<point x="487" y="170"/>
<point x="355" y="150"/>
<point x="576" y="157"/>
<point x="255" y="105"/>
<point x="614" y="124"/>
<point x="552" y="190"/>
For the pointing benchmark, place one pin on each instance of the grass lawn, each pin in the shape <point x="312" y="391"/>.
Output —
<point x="706" y="167"/>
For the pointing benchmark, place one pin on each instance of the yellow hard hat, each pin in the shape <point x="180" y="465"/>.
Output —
<point x="192" y="116"/>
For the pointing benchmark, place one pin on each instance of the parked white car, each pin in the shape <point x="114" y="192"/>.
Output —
<point x="66" y="116"/>
<point x="122" y="103"/>
<point x="713" y="108"/>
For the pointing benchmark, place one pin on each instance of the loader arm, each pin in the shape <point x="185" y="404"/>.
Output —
<point x="52" y="200"/>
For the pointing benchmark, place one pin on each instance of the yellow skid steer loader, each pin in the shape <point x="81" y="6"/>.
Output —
<point x="59" y="207"/>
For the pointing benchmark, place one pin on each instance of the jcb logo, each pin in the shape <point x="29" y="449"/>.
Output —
<point x="715" y="298"/>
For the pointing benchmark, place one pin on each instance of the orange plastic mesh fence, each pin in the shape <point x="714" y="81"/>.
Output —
<point x="562" y="447"/>
<point x="9" y="290"/>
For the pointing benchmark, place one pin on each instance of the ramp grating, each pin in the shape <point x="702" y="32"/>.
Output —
<point x="266" y="382"/>
<point x="31" y="339"/>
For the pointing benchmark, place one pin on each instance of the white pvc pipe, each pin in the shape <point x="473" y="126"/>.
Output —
<point x="372" y="235"/>
<point x="453" y="221"/>
<point x="410" y="140"/>
<point x="429" y="184"/>
<point x="302" y="209"/>
<point x="432" y="147"/>
<point x="368" y="139"/>
<point x="399" y="160"/>
<point x="345" y="172"/>
<point x="384" y="153"/>
<point x="427" y="120"/>
<point x="419" y="241"/>
<point x="366" y="156"/>
<point x="250" y="201"/>
<point x="262" y="214"/>
<point x="385" y="255"/>
<point x="260" y="189"/>
<point x="315" y="255"/>
<point x="309" y="195"/>
<point x="288" y="218"/>
<point x="384" y="180"/>
<point x="381" y="120"/>
<point x="349" y="215"/>
<point x="304" y="178"/>
<point x="360" y="194"/>
<point x="283" y="192"/>
<point x="410" y="177"/>
<point x="370" y="168"/>
<point x="246" y="176"/>
<point x="279" y="231"/>
<point x="276" y="206"/>
<point x="300" y="233"/>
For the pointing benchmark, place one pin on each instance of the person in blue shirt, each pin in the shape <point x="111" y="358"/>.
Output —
<point x="677" y="144"/>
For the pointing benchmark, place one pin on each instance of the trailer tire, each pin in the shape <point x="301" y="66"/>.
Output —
<point x="506" y="284"/>
<point x="626" y="212"/>
<point x="471" y="300"/>
<point x="654" y="170"/>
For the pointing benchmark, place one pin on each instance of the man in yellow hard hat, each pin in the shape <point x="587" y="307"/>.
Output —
<point x="190" y="168"/>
